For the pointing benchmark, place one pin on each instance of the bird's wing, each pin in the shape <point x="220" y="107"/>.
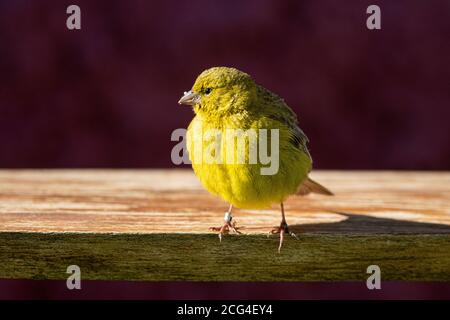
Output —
<point x="278" y="110"/>
<point x="299" y="139"/>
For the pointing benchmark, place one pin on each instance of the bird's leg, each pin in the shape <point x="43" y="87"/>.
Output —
<point x="228" y="225"/>
<point x="282" y="229"/>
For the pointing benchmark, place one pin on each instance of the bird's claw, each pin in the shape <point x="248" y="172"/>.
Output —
<point x="281" y="240"/>
<point x="282" y="230"/>
<point x="226" y="228"/>
<point x="233" y="228"/>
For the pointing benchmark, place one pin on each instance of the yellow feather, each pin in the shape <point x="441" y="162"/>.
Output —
<point x="229" y="99"/>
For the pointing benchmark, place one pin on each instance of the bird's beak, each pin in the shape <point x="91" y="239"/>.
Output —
<point x="190" y="98"/>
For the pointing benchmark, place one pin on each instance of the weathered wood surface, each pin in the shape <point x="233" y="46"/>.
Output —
<point x="172" y="201"/>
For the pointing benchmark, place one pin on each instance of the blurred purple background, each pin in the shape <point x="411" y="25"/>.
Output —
<point x="106" y="96"/>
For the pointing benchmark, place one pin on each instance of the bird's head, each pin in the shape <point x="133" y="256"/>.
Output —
<point x="220" y="91"/>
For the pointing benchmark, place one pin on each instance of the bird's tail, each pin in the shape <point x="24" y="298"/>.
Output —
<point x="310" y="186"/>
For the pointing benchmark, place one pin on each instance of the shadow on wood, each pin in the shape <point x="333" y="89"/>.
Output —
<point x="362" y="224"/>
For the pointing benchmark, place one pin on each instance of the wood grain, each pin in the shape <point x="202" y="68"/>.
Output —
<point x="172" y="201"/>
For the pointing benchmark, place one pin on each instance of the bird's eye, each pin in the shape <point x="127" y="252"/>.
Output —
<point x="208" y="91"/>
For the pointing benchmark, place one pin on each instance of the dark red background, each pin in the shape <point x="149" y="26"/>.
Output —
<point x="106" y="96"/>
<point x="182" y="290"/>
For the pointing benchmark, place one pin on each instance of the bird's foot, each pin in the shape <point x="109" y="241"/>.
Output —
<point x="282" y="230"/>
<point x="227" y="227"/>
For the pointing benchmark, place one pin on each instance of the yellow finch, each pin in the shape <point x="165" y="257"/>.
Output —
<point x="229" y="106"/>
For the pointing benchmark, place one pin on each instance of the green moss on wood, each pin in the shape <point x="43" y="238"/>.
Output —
<point x="158" y="257"/>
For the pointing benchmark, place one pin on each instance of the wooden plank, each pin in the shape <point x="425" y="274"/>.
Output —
<point x="172" y="201"/>
<point x="201" y="257"/>
<point x="160" y="221"/>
